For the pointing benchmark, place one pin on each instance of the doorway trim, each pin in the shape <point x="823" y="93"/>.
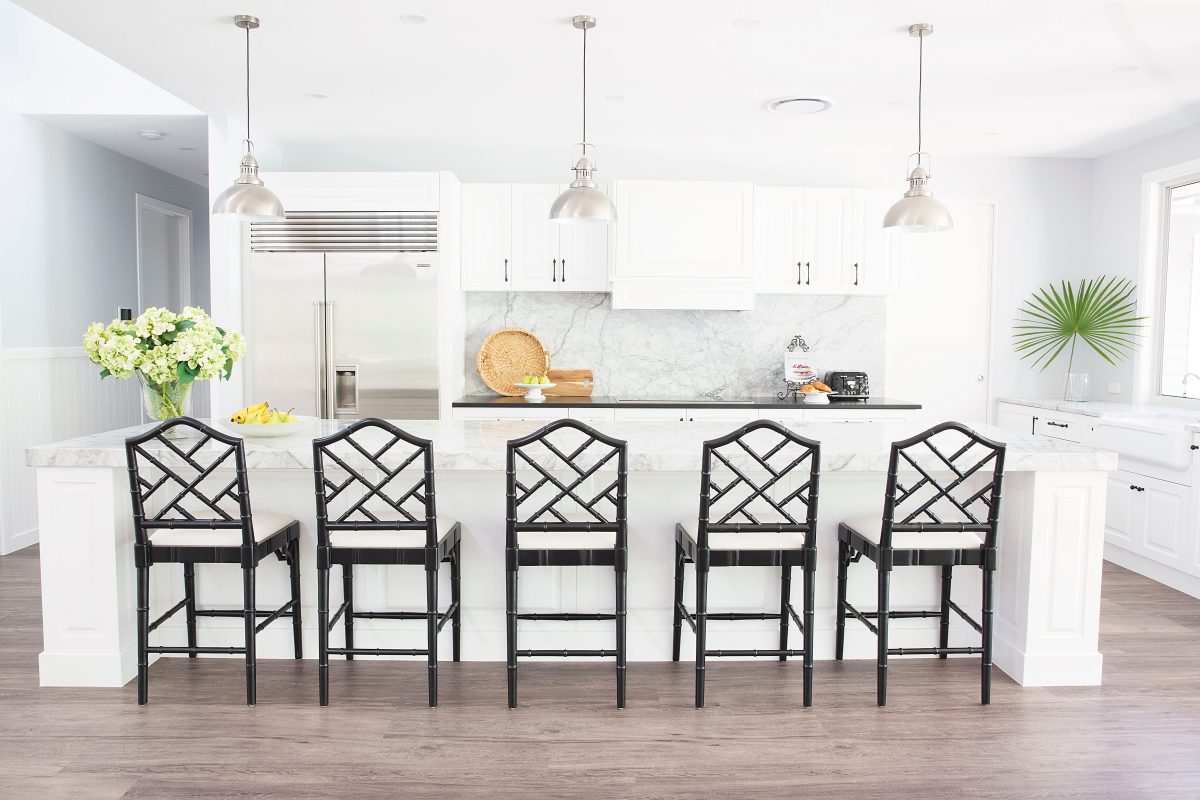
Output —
<point x="183" y="217"/>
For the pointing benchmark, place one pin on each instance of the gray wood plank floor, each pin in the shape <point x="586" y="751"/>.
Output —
<point x="1138" y="736"/>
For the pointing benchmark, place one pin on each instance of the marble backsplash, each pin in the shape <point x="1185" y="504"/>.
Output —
<point x="653" y="354"/>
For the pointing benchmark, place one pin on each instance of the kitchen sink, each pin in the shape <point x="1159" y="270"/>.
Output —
<point x="1153" y="441"/>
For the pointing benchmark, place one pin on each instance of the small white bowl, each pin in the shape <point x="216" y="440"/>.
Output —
<point x="534" y="395"/>
<point x="272" y="430"/>
<point x="816" y="398"/>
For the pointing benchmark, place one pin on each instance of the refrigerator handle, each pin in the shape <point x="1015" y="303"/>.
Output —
<point x="319" y="355"/>
<point x="327" y="362"/>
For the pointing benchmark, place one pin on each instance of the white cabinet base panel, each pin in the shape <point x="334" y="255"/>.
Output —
<point x="1154" y="570"/>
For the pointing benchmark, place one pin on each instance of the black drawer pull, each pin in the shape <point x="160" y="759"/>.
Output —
<point x="1058" y="424"/>
<point x="1137" y="488"/>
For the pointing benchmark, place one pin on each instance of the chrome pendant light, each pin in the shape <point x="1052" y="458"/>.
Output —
<point x="918" y="211"/>
<point x="247" y="198"/>
<point x="583" y="201"/>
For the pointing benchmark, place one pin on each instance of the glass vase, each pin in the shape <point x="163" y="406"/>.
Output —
<point x="1078" y="387"/>
<point x="164" y="401"/>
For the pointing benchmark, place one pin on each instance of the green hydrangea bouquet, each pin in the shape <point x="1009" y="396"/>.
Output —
<point x="167" y="352"/>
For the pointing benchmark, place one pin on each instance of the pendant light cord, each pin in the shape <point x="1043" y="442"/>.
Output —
<point x="920" y="90"/>
<point x="585" y="86"/>
<point x="248" y="145"/>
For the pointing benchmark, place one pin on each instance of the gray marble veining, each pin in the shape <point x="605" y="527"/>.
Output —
<point x="646" y="354"/>
<point x="472" y="445"/>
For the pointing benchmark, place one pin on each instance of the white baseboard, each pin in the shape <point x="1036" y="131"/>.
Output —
<point x="12" y="542"/>
<point x="1168" y="576"/>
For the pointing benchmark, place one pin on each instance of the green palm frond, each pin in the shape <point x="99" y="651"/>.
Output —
<point x="1101" y="311"/>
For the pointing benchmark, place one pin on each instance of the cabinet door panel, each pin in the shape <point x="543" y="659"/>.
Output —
<point x="534" y="237"/>
<point x="874" y="252"/>
<point x="778" y="251"/>
<point x="1166" y="515"/>
<point x="486" y="237"/>
<point x="1119" y="509"/>
<point x="582" y="255"/>
<point x="827" y="218"/>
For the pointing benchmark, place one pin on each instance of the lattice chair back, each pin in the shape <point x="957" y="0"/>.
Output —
<point x="567" y="477"/>
<point x="186" y="482"/>
<point x="762" y="477"/>
<point x="372" y="475"/>
<point x="945" y="479"/>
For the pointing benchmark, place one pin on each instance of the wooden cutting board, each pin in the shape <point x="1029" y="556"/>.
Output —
<point x="571" y="382"/>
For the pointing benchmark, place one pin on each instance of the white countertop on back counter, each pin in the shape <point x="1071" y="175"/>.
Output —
<point x="1105" y="410"/>
<point x="653" y="447"/>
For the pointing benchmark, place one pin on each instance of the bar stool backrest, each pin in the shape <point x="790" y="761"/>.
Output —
<point x="588" y="493"/>
<point x="762" y="477"/>
<point x="944" y="479"/>
<point x="372" y="475"/>
<point x="185" y="482"/>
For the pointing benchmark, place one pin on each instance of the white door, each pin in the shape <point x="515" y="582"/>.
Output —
<point x="486" y="237"/>
<point x="1119" y="511"/>
<point x="582" y="255"/>
<point x="1164" y="535"/>
<point x="778" y="250"/>
<point x="939" y="320"/>
<point x="534" y="237"/>
<point x="164" y="236"/>
<point x="827" y="216"/>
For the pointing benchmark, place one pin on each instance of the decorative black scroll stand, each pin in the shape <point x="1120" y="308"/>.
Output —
<point x="791" y="389"/>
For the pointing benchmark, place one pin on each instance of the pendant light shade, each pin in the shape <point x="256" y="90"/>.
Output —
<point x="248" y="199"/>
<point x="918" y="211"/>
<point x="583" y="201"/>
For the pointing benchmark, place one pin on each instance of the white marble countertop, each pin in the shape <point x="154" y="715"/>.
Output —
<point x="653" y="447"/>
<point x="1103" y="410"/>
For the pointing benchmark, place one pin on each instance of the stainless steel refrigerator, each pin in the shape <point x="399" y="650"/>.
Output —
<point x="344" y="335"/>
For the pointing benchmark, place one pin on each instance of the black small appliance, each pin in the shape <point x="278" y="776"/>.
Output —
<point x="848" y="385"/>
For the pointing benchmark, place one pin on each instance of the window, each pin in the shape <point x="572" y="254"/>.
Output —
<point x="1180" y="333"/>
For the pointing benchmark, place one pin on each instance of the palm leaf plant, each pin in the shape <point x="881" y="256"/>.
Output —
<point x="1100" y="311"/>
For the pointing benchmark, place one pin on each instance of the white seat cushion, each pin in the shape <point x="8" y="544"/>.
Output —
<point x="567" y="540"/>
<point x="387" y="540"/>
<point x="746" y="540"/>
<point x="869" y="525"/>
<point x="266" y="523"/>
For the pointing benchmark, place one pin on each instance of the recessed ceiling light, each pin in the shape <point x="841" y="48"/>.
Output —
<point x="799" y="105"/>
<point x="151" y="136"/>
<point x="1127" y="68"/>
<point x="414" y="19"/>
<point x="317" y="96"/>
<point x="616" y="98"/>
<point x="747" y="23"/>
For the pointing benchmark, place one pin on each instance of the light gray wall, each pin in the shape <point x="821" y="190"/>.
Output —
<point x="67" y="225"/>
<point x="1043" y="220"/>
<point x="1117" y="227"/>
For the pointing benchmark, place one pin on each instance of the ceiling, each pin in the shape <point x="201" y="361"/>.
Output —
<point x="1018" y="78"/>
<point x="183" y="150"/>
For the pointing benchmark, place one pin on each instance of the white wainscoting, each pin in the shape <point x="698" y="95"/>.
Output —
<point x="49" y="394"/>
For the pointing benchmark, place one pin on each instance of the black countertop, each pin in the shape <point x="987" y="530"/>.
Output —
<point x="600" y="401"/>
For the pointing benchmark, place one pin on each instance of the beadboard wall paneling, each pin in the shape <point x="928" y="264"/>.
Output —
<point x="49" y="394"/>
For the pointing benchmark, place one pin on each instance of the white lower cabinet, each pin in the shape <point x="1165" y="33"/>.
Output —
<point x="1019" y="419"/>
<point x="1151" y="518"/>
<point x="511" y="413"/>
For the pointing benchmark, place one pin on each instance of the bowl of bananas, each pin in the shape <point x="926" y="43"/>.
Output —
<point x="261" y="421"/>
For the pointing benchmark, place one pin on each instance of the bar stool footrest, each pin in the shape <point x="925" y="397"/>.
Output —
<point x="566" y="653"/>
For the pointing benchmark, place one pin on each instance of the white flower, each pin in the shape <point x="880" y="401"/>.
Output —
<point x="160" y="364"/>
<point x="119" y="355"/>
<point x="154" y="322"/>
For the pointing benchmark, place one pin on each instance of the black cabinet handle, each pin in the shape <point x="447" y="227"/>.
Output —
<point x="506" y="270"/>
<point x="681" y="419"/>
<point x="554" y="271"/>
<point x="808" y="278"/>
<point x="564" y="270"/>
<point x="1196" y="447"/>
<point x="1137" y="488"/>
<point x="1033" y="425"/>
<point x="799" y="273"/>
<point x="856" y="274"/>
<point x="1054" y="424"/>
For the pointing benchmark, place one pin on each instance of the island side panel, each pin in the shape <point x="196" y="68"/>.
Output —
<point x="88" y="592"/>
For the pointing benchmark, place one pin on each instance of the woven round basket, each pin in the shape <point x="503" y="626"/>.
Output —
<point x="506" y="356"/>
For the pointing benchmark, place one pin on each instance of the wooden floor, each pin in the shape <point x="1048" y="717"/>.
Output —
<point x="1136" y="737"/>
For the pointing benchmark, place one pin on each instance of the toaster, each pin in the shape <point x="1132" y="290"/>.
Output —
<point x="849" y="384"/>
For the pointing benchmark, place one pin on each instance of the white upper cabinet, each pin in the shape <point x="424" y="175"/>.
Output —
<point x="487" y="237"/>
<point x="821" y="241"/>
<point x="683" y="244"/>
<point x="510" y="244"/>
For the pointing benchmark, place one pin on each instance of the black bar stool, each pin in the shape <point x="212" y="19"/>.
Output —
<point x="389" y="520"/>
<point x="945" y="515"/>
<point x="187" y="511"/>
<point x="744" y="522"/>
<point x="550" y="523"/>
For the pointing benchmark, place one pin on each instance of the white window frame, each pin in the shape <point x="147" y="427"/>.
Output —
<point x="1151" y="278"/>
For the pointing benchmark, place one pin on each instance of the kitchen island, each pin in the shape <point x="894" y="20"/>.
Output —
<point x="1048" y="580"/>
